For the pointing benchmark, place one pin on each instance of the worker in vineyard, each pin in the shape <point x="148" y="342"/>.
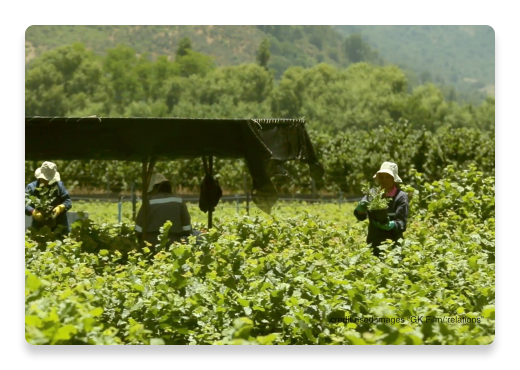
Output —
<point x="47" y="200"/>
<point x="387" y="179"/>
<point x="163" y="206"/>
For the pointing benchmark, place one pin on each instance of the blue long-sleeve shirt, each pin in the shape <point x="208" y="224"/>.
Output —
<point x="61" y="198"/>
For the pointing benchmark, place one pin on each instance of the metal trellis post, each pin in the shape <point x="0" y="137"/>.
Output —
<point x="134" y="201"/>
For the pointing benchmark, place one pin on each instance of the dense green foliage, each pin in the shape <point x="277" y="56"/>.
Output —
<point x="274" y="279"/>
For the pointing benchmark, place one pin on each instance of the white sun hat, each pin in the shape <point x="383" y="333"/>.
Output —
<point x="391" y="169"/>
<point x="48" y="171"/>
<point x="157" y="178"/>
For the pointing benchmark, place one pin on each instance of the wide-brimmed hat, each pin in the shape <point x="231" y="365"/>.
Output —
<point x="48" y="171"/>
<point x="157" y="178"/>
<point x="391" y="169"/>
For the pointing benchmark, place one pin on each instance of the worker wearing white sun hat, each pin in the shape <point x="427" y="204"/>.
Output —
<point x="48" y="182"/>
<point x="388" y="179"/>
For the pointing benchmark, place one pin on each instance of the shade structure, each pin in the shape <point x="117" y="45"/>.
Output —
<point x="265" y="144"/>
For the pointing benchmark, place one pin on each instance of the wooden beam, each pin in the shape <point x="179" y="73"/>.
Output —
<point x="210" y="212"/>
<point x="147" y="169"/>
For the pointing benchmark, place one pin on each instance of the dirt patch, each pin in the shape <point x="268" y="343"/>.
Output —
<point x="209" y="40"/>
<point x="159" y="35"/>
<point x="489" y="90"/>
<point x="242" y="47"/>
<point x="30" y="51"/>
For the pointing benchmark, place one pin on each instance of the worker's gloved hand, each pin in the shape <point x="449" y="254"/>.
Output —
<point x="38" y="216"/>
<point x="57" y="210"/>
<point x="388" y="226"/>
<point x="362" y="206"/>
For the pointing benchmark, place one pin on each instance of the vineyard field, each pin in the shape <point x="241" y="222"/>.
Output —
<point x="302" y="275"/>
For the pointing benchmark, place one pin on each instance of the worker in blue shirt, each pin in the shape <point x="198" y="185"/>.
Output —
<point x="48" y="184"/>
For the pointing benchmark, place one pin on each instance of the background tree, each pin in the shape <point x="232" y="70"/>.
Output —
<point x="183" y="47"/>
<point x="124" y="85"/>
<point x="194" y="63"/>
<point x="69" y="77"/>
<point x="358" y="50"/>
<point x="263" y="54"/>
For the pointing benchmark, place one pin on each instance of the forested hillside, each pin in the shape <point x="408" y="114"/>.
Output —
<point x="230" y="45"/>
<point x="460" y="60"/>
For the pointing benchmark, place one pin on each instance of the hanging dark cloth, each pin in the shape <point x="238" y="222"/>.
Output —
<point x="210" y="191"/>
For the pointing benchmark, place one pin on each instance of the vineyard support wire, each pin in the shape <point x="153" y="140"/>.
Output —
<point x="233" y="198"/>
<point x="236" y="199"/>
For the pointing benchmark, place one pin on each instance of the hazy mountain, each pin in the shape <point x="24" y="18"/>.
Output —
<point x="459" y="55"/>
